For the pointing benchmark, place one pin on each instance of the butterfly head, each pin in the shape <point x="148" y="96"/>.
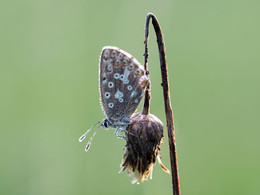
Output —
<point x="105" y="124"/>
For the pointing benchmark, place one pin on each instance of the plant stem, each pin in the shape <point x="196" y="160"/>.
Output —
<point x="147" y="96"/>
<point x="166" y="95"/>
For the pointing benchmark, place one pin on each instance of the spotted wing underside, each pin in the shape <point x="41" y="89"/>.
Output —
<point x="122" y="81"/>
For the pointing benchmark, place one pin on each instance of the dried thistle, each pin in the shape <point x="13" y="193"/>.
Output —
<point x="144" y="136"/>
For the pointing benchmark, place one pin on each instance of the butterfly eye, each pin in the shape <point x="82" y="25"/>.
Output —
<point x="106" y="124"/>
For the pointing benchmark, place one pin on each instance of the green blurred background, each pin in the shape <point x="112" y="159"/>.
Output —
<point x="49" y="94"/>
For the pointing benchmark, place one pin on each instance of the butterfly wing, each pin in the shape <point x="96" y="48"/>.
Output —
<point x="122" y="81"/>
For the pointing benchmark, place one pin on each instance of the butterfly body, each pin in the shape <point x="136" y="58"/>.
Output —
<point x="122" y="81"/>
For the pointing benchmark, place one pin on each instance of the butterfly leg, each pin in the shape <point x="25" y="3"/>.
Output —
<point x="117" y="133"/>
<point x="123" y="129"/>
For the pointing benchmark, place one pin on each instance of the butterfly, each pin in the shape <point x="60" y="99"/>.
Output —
<point x="122" y="81"/>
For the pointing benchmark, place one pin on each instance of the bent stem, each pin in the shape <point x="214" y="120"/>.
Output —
<point x="166" y="95"/>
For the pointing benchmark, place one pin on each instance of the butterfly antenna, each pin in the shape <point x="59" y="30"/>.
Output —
<point x="84" y="135"/>
<point x="89" y="142"/>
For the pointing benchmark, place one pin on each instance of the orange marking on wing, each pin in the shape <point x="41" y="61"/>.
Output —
<point x="137" y="73"/>
<point x="117" y="63"/>
<point x="143" y="83"/>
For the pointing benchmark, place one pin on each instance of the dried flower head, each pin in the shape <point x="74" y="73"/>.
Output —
<point x="144" y="136"/>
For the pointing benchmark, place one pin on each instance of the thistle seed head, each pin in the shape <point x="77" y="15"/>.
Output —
<point x="144" y="136"/>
